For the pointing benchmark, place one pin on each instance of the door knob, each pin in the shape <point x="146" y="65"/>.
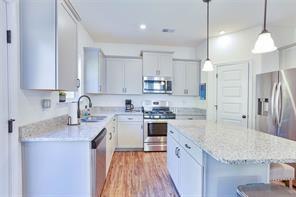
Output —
<point x="244" y="116"/>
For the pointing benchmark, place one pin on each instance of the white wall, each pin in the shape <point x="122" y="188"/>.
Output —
<point x="135" y="50"/>
<point x="236" y="47"/>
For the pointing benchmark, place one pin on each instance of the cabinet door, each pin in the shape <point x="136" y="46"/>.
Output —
<point x="67" y="68"/>
<point x="115" y="76"/>
<point x="192" y="78"/>
<point x="102" y="73"/>
<point x="173" y="162"/>
<point x="130" y="135"/>
<point x="109" y="145"/>
<point x="165" y="65"/>
<point x="191" y="176"/>
<point x="150" y="64"/>
<point x="179" y="79"/>
<point x="91" y="70"/>
<point x="133" y="76"/>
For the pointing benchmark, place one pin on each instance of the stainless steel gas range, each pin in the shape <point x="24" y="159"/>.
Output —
<point x="156" y="114"/>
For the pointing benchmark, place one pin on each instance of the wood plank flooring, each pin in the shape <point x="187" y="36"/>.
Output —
<point x="138" y="174"/>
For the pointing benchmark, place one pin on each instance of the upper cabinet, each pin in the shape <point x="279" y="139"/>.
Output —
<point x="48" y="46"/>
<point x="157" y="64"/>
<point x="94" y="71"/>
<point x="186" y="77"/>
<point x="124" y="75"/>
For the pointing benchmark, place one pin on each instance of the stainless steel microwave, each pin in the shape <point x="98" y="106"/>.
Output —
<point x="157" y="85"/>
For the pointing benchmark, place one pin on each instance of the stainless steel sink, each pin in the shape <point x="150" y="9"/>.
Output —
<point x="93" y="119"/>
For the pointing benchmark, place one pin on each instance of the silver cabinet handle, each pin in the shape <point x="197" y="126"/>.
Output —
<point x="178" y="152"/>
<point x="187" y="146"/>
<point x="172" y="132"/>
<point x="130" y="118"/>
<point x="110" y="138"/>
<point x="78" y="83"/>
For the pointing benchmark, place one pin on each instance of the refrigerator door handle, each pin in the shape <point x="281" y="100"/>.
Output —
<point x="278" y="112"/>
<point x="272" y="99"/>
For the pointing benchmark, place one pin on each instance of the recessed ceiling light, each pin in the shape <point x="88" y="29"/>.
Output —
<point x="143" y="26"/>
<point x="222" y="32"/>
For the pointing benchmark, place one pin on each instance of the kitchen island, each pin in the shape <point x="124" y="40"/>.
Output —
<point x="211" y="160"/>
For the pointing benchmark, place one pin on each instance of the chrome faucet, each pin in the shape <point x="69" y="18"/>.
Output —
<point x="78" y="103"/>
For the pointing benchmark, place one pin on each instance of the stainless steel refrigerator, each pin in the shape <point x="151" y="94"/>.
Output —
<point x="276" y="103"/>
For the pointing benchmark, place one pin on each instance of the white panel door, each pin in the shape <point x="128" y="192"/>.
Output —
<point x="191" y="176"/>
<point x="192" y="78"/>
<point x="165" y="64"/>
<point x="133" y="76"/>
<point x="232" y="94"/>
<point x="67" y="50"/>
<point x="179" y="84"/>
<point x="150" y="64"/>
<point x="4" y="175"/>
<point x="115" y="76"/>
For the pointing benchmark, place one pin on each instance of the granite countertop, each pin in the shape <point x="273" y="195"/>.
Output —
<point x="236" y="145"/>
<point x="56" y="129"/>
<point x="45" y="131"/>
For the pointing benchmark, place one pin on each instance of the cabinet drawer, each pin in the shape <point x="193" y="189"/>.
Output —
<point x="188" y="117"/>
<point x="130" y="118"/>
<point x="174" y="133"/>
<point x="192" y="149"/>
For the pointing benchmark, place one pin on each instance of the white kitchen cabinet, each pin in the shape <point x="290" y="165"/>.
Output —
<point x="124" y="75"/>
<point x="186" y="78"/>
<point x="49" y="59"/>
<point x="115" y="76"/>
<point x="173" y="163"/>
<point x="111" y="141"/>
<point x="94" y="71"/>
<point x="158" y="64"/>
<point x="130" y="132"/>
<point x="133" y="76"/>
<point x="185" y="167"/>
<point x="191" y="175"/>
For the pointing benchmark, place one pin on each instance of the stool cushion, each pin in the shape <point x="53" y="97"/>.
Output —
<point x="281" y="171"/>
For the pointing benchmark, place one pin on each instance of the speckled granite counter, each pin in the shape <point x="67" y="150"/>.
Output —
<point x="235" y="145"/>
<point x="56" y="129"/>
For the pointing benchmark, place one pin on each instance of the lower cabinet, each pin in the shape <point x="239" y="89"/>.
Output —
<point x="191" y="175"/>
<point x="130" y="131"/>
<point x="185" y="171"/>
<point x="111" y="141"/>
<point x="173" y="163"/>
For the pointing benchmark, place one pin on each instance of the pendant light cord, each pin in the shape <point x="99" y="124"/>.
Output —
<point x="208" y="16"/>
<point x="265" y="13"/>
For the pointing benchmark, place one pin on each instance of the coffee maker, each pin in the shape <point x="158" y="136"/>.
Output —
<point x="128" y="105"/>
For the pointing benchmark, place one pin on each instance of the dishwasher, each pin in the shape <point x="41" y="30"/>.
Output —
<point x="98" y="155"/>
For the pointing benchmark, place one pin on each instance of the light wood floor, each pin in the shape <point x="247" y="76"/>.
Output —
<point x="138" y="174"/>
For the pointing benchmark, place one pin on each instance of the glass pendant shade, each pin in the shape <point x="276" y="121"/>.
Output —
<point x="264" y="43"/>
<point x="208" y="66"/>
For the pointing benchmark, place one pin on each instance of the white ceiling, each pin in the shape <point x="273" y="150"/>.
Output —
<point x="119" y="20"/>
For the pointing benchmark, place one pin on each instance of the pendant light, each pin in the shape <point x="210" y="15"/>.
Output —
<point x="264" y="43"/>
<point x="208" y="66"/>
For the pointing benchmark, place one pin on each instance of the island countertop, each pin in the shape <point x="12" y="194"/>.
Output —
<point x="236" y="145"/>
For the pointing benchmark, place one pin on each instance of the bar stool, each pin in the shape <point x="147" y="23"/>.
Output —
<point x="282" y="172"/>
<point x="264" y="190"/>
